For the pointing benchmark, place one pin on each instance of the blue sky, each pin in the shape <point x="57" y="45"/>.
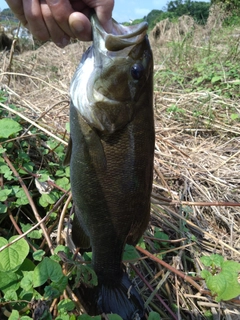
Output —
<point x="125" y="10"/>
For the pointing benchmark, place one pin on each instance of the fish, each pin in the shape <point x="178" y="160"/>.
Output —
<point x="111" y="154"/>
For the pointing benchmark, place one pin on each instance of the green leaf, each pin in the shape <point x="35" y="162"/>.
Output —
<point x="235" y="116"/>
<point x="63" y="317"/>
<point x="21" y="198"/>
<point x="13" y="256"/>
<point x="7" y="173"/>
<point x="9" y="281"/>
<point x="45" y="270"/>
<point x="114" y="317"/>
<point x="9" y="127"/>
<point x="217" y="283"/>
<point x="205" y="274"/>
<point x="63" y="183"/>
<point x="27" y="265"/>
<point x="66" y="305"/>
<point x="232" y="291"/>
<point x="3" y="208"/>
<point x="67" y="126"/>
<point x="14" y="315"/>
<point x="154" y="316"/>
<point x="212" y="260"/>
<point x="35" y="234"/>
<point x="38" y="255"/>
<point x="11" y="295"/>
<point x="4" y="193"/>
<point x="47" y="199"/>
<point x="159" y="234"/>
<point x="51" y="293"/>
<point x="130" y="253"/>
<point x="87" y="317"/>
<point x="27" y="281"/>
<point x="231" y="267"/>
<point x="216" y="79"/>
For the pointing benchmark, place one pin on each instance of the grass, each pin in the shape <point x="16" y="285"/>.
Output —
<point x="194" y="229"/>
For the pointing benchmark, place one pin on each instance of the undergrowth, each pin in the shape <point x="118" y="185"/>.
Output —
<point x="212" y="66"/>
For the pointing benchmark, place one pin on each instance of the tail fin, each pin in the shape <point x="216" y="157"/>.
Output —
<point x="123" y="300"/>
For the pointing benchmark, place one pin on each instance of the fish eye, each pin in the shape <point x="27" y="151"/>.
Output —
<point x="137" y="71"/>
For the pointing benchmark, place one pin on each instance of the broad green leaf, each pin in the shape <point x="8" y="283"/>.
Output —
<point x="13" y="256"/>
<point x="205" y="274"/>
<point x="11" y="295"/>
<point x="141" y="243"/>
<point x="28" y="166"/>
<point x="43" y="177"/>
<point x="217" y="284"/>
<point x="231" y="267"/>
<point x="47" y="199"/>
<point x="154" y="316"/>
<point x="27" y="281"/>
<point x="9" y="281"/>
<point x="14" y="315"/>
<point x="35" y="234"/>
<point x="9" y="127"/>
<point x="45" y="270"/>
<point x="158" y="233"/>
<point x="63" y="317"/>
<point x="216" y="79"/>
<point x="130" y="253"/>
<point x="38" y="255"/>
<point x="7" y="173"/>
<point x="87" y="317"/>
<point x="114" y="317"/>
<point x="61" y="284"/>
<point x="4" y="193"/>
<point x="232" y="291"/>
<point x="63" y="183"/>
<point x="66" y="305"/>
<point x="21" y="197"/>
<point x="212" y="260"/>
<point x="3" y="208"/>
<point x="27" y="265"/>
<point x="235" y="116"/>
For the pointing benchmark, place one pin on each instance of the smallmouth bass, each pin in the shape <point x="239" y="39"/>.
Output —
<point x="111" y="156"/>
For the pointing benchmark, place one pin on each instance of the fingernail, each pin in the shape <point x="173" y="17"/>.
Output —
<point x="77" y="26"/>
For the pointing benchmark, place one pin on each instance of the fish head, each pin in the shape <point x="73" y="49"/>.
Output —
<point x="116" y="70"/>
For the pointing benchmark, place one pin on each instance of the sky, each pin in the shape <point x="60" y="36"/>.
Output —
<point x="126" y="10"/>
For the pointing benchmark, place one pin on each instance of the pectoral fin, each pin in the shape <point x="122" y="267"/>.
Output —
<point x="95" y="147"/>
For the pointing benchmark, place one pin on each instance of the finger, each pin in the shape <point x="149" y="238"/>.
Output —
<point x="80" y="26"/>
<point x="57" y="35"/>
<point x="104" y="13"/>
<point x="61" y="10"/>
<point x="35" y="21"/>
<point x="103" y="10"/>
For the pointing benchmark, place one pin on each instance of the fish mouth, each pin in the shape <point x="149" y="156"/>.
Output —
<point x="121" y="37"/>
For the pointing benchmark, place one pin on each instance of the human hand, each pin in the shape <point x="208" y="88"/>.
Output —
<point x="60" y="20"/>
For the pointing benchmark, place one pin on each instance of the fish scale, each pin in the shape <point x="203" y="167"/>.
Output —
<point x="111" y="163"/>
